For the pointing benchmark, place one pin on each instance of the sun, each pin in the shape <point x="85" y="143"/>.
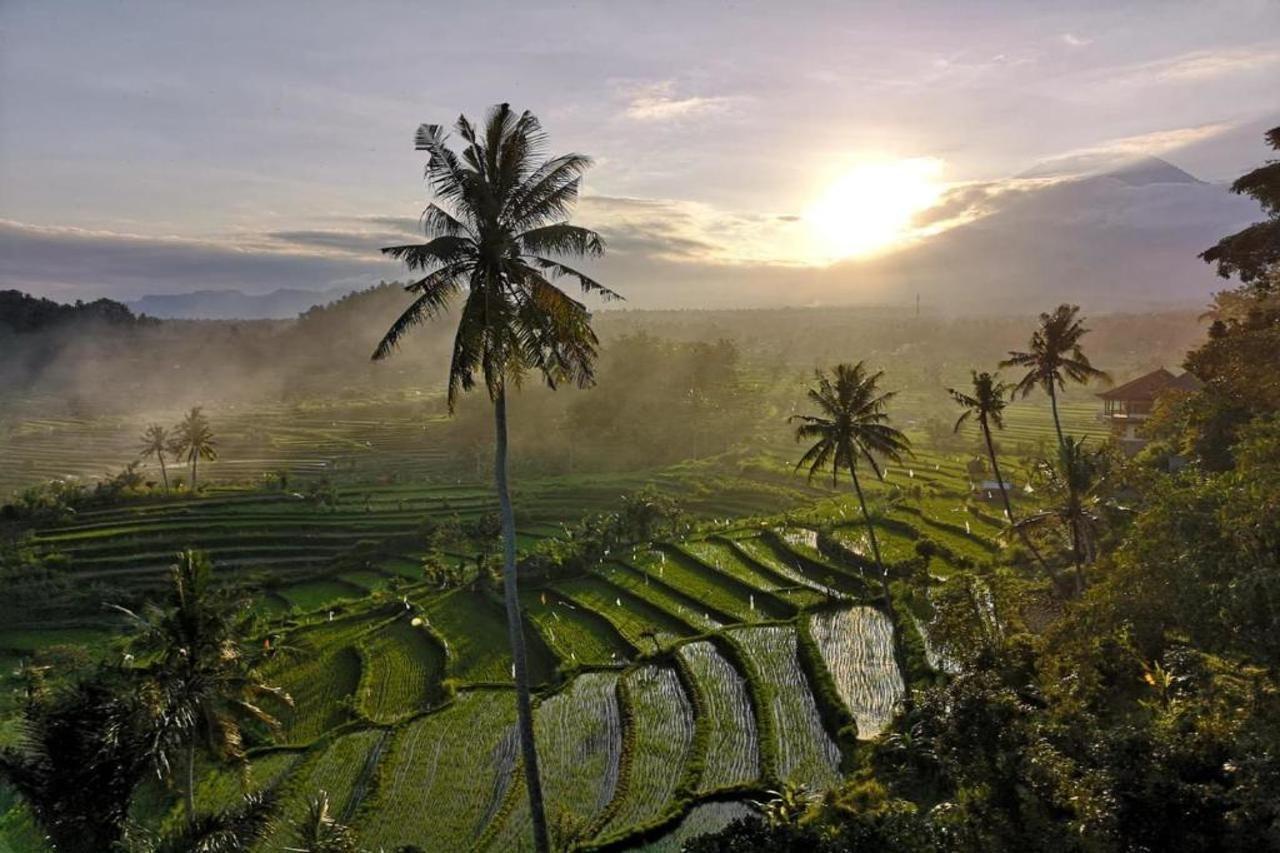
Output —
<point x="870" y="208"/>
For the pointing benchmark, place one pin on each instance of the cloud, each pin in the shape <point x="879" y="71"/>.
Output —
<point x="1113" y="152"/>
<point x="694" y="232"/>
<point x="1073" y="40"/>
<point x="657" y="102"/>
<point x="1197" y="66"/>
<point x="1207" y="64"/>
<point x="73" y="263"/>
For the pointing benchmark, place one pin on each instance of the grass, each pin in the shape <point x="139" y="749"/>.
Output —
<point x="701" y="819"/>
<point x="446" y="775"/>
<point x="577" y="634"/>
<point x="579" y="736"/>
<point x="659" y="739"/>
<point x="805" y="752"/>
<point x="857" y="647"/>
<point x="402" y="669"/>
<point x="476" y="633"/>
<point x="732" y="752"/>
<point x="638" y="621"/>
<point x="342" y="768"/>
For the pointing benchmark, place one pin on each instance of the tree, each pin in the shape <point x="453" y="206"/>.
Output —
<point x="1254" y="253"/>
<point x="852" y="424"/>
<point x="237" y="829"/>
<point x="1054" y="357"/>
<point x="194" y="439"/>
<point x="83" y="757"/>
<point x="494" y="237"/>
<point x="1076" y="487"/>
<point x="320" y="832"/>
<point x="986" y="404"/>
<point x="155" y="442"/>
<point x="203" y="686"/>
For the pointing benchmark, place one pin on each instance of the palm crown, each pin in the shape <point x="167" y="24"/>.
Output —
<point x="986" y="403"/>
<point x="154" y="441"/>
<point x="852" y="423"/>
<point x="1055" y="354"/>
<point x="205" y="685"/>
<point x="194" y="437"/>
<point x="495" y="232"/>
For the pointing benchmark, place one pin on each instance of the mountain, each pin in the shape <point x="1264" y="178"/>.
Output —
<point x="1135" y="171"/>
<point x="234" y="304"/>
<point x="1122" y="239"/>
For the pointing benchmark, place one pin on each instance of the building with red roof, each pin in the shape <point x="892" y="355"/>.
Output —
<point x="1127" y="406"/>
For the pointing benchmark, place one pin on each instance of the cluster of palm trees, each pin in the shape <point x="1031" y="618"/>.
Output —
<point x="190" y="440"/>
<point x="851" y="425"/>
<point x="497" y="237"/>
<point x="189" y="685"/>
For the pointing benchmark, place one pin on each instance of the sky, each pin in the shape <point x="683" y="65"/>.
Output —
<point x="178" y="146"/>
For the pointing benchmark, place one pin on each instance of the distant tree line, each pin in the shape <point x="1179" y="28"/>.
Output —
<point x="23" y="313"/>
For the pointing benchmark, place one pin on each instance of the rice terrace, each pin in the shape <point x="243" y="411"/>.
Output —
<point x="644" y="428"/>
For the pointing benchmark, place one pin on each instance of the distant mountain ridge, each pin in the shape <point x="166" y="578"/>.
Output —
<point x="1127" y="238"/>
<point x="1110" y="235"/>
<point x="281" y="304"/>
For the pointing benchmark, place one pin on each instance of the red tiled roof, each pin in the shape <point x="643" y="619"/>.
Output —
<point x="1144" y="388"/>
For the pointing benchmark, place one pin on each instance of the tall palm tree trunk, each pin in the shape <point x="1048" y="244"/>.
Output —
<point x="195" y="460"/>
<point x="164" y="473"/>
<point x="1057" y="422"/>
<point x="1008" y="505"/>
<point x="524" y="705"/>
<point x="899" y="655"/>
<point x="1077" y="556"/>
<point x="189" y="795"/>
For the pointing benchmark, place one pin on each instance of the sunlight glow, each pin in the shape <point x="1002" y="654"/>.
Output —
<point x="870" y="208"/>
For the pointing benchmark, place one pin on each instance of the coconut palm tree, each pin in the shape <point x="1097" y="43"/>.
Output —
<point x="320" y="832"/>
<point x="203" y="686"/>
<point x="1077" y="486"/>
<point x="1054" y="357"/>
<point x="155" y="442"/>
<point x="81" y="757"/>
<point x="986" y="405"/>
<point x="193" y="438"/>
<point x="236" y="829"/>
<point x="852" y="424"/>
<point x="496" y="234"/>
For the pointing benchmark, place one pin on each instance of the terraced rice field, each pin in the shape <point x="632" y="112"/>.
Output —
<point x="725" y="595"/>
<point x="651" y="586"/>
<point x="723" y="556"/>
<point x="805" y="751"/>
<point x="660" y="737"/>
<point x="322" y="683"/>
<point x="830" y="584"/>
<point x="579" y="736"/>
<point x="857" y="646"/>
<point x="475" y="630"/>
<point x="643" y="625"/>
<point x="446" y="775"/>
<point x="701" y="819"/>
<point x="343" y="770"/>
<point x="402" y="668"/>
<point x="733" y="751"/>
<point x="575" y="633"/>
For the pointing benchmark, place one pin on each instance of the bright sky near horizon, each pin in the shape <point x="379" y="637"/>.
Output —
<point x="160" y="147"/>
